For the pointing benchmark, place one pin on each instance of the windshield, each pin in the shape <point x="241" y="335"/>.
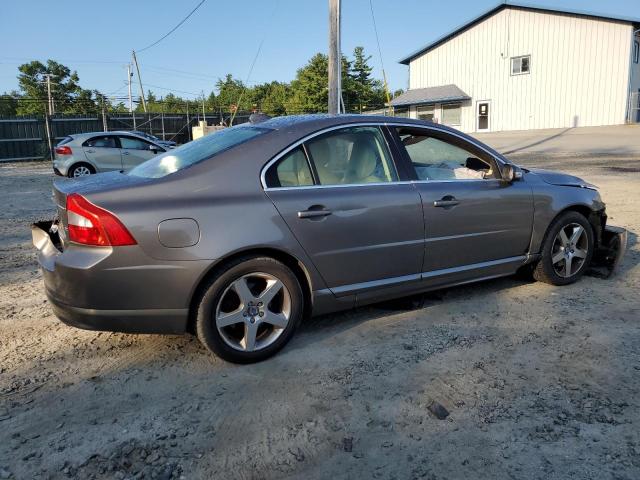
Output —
<point x="196" y="151"/>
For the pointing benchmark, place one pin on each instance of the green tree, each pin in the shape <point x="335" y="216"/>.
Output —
<point x="309" y="91"/>
<point x="230" y="92"/>
<point x="67" y="94"/>
<point x="9" y="103"/>
<point x="272" y="98"/>
<point x="367" y="91"/>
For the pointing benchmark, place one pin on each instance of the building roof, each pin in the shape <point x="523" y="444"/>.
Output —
<point x="421" y="96"/>
<point x="518" y="6"/>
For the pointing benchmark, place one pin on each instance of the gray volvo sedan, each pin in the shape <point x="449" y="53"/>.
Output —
<point x="241" y="234"/>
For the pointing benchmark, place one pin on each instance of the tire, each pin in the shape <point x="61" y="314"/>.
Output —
<point x="576" y="253"/>
<point x="224" y="299"/>
<point x="75" y="171"/>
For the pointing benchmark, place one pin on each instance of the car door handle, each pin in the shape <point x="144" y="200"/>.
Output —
<point x="91" y="151"/>
<point x="125" y="153"/>
<point x="314" y="213"/>
<point x="447" y="201"/>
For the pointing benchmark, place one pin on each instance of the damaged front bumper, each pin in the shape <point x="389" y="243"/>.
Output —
<point x="610" y="251"/>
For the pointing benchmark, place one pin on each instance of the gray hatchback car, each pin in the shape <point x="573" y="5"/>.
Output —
<point x="239" y="235"/>
<point x="88" y="153"/>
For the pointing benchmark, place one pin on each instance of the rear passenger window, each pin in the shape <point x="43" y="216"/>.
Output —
<point x="291" y="171"/>
<point x="352" y="156"/>
<point x="101" y="142"/>
<point x="134" y="143"/>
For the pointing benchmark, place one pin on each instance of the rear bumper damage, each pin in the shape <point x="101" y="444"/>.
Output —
<point x="86" y="291"/>
<point x="610" y="251"/>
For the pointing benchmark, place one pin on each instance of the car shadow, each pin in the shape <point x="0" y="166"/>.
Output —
<point x="325" y="326"/>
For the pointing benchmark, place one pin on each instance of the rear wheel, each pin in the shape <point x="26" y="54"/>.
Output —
<point x="81" y="170"/>
<point x="250" y="310"/>
<point x="566" y="251"/>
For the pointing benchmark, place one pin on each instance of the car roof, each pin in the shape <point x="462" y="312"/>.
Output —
<point x="85" y="135"/>
<point x="310" y="123"/>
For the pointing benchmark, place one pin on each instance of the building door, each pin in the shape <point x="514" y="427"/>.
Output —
<point x="483" y="115"/>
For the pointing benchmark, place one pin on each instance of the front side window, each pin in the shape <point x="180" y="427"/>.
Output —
<point x="101" y="142"/>
<point x="132" y="143"/>
<point x="437" y="160"/>
<point x="292" y="170"/>
<point x="451" y="114"/>
<point x="520" y="65"/>
<point x="351" y="156"/>
<point x="197" y="151"/>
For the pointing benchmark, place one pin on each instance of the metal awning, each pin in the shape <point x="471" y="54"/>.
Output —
<point x="423" y="96"/>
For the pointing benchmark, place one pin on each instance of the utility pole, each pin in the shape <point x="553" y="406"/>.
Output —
<point x="135" y="61"/>
<point x="104" y="117"/>
<point x="203" y="114"/>
<point x="51" y="105"/>
<point x="188" y="123"/>
<point x="129" y="75"/>
<point x="162" y="117"/>
<point x="335" y="58"/>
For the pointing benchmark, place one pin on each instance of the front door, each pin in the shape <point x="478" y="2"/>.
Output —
<point x="473" y="219"/>
<point x="340" y="196"/>
<point x="102" y="151"/>
<point x="135" y="151"/>
<point x="483" y="115"/>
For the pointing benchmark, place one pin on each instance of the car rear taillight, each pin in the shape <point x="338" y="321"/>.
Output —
<point x="64" y="150"/>
<point x="91" y="225"/>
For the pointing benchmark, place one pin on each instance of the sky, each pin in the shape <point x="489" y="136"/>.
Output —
<point x="223" y="36"/>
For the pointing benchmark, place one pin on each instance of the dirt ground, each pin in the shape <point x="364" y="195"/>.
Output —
<point x="540" y="381"/>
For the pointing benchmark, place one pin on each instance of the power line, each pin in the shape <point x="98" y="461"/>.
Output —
<point x="375" y="29"/>
<point x="173" y="29"/>
<point x="254" y="60"/>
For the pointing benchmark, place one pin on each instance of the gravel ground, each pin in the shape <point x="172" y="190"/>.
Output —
<point x="540" y="381"/>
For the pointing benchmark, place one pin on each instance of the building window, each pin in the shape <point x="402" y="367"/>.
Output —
<point x="401" y="112"/>
<point x="636" y="51"/>
<point x="451" y="114"/>
<point x="520" y="65"/>
<point x="426" y="112"/>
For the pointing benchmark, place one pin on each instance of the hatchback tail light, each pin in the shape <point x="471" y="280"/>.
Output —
<point x="64" y="150"/>
<point x="91" y="225"/>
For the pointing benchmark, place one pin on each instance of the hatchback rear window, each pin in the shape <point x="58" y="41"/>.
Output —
<point x="64" y="141"/>
<point x="196" y="151"/>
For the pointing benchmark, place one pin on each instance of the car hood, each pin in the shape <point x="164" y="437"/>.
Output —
<point x="561" y="179"/>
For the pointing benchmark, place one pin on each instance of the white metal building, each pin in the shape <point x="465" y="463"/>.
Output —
<point x="520" y="67"/>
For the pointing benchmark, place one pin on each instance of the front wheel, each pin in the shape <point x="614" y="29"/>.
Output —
<point x="250" y="310"/>
<point x="566" y="251"/>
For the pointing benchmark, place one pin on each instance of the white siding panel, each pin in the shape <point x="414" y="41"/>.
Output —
<point x="579" y="70"/>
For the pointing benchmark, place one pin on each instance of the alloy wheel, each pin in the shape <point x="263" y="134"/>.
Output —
<point x="81" y="171"/>
<point x="569" y="250"/>
<point x="253" y="311"/>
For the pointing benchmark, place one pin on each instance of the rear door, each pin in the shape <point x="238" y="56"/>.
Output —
<point x="475" y="223"/>
<point x="136" y="151"/>
<point x="103" y="152"/>
<point x="341" y="196"/>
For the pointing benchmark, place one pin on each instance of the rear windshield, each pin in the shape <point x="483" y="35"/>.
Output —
<point x="63" y="141"/>
<point x="196" y="151"/>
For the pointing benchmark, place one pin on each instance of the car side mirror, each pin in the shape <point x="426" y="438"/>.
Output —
<point x="154" y="149"/>
<point x="511" y="173"/>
